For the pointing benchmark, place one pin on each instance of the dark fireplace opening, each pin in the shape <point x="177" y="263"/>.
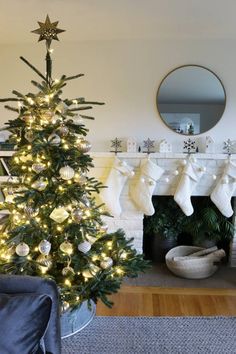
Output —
<point x="169" y="227"/>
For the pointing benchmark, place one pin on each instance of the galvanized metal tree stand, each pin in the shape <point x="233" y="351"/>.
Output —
<point x="74" y="321"/>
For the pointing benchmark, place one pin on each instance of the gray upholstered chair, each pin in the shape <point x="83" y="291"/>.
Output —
<point x="26" y="285"/>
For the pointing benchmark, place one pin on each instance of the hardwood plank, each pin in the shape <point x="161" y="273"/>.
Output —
<point x="153" y="301"/>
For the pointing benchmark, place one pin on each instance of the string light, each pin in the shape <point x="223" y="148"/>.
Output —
<point x="67" y="282"/>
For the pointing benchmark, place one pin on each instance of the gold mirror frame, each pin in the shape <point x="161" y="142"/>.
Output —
<point x="195" y="66"/>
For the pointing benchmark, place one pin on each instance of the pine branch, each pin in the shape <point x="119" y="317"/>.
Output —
<point x="39" y="86"/>
<point x="33" y="68"/>
<point x="10" y="100"/>
<point x="91" y="102"/>
<point x="73" y="77"/>
<point x="87" y="117"/>
<point x="18" y="94"/>
<point x="80" y="108"/>
<point x="11" y="108"/>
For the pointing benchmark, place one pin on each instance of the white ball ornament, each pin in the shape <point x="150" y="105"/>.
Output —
<point x="151" y="182"/>
<point x="106" y="263"/>
<point x="142" y="179"/>
<point x="84" y="145"/>
<point x="66" y="173"/>
<point x="84" y="247"/>
<point x="167" y="180"/>
<point x="22" y="249"/>
<point x="176" y="172"/>
<point x="54" y="139"/>
<point x="66" y="247"/>
<point x="214" y="177"/>
<point x="45" y="247"/>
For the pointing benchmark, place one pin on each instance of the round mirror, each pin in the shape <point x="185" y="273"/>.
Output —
<point x="191" y="99"/>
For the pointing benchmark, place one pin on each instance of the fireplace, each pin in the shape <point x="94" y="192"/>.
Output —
<point x="131" y="219"/>
<point x="170" y="227"/>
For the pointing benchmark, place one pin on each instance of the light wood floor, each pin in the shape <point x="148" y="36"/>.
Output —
<point x="154" y="301"/>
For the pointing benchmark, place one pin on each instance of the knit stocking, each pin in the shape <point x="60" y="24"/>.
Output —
<point x="222" y="193"/>
<point x="189" y="179"/>
<point x="141" y="192"/>
<point x="115" y="182"/>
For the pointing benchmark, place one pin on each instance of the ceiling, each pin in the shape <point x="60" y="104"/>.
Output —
<point x="119" y="19"/>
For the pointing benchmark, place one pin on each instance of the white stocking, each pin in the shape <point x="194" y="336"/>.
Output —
<point x="222" y="193"/>
<point x="189" y="179"/>
<point x="141" y="192"/>
<point x="115" y="182"/>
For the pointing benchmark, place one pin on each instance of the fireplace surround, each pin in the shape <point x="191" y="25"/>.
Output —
<point x="131" y="219"/>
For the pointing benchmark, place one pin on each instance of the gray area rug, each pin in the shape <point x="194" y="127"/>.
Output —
<point x="159" y="335"/>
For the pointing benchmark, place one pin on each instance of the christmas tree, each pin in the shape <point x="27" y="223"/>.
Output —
<point x="53" y="226"/>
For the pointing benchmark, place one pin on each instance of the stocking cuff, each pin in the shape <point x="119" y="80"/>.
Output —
<point x="194" y="171"/>
<point x="151" y="170"/>
<point x="122" y="167"/>
<point x="230" y="169"/>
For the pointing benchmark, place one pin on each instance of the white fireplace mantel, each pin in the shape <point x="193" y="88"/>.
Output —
<point x="131" y="220"/>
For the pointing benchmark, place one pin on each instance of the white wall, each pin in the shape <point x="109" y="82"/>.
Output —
<point x="125" y="75"/>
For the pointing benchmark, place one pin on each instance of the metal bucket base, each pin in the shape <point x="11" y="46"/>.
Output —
<point x="74" y="321"/>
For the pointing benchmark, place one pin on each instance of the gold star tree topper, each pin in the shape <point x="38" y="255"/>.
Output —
<point x="48" y="31"/>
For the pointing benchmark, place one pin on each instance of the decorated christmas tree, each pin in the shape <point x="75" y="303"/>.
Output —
<point x="53" y="226"/>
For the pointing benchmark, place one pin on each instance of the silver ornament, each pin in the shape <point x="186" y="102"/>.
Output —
<point x="66" y="247"/>
<point x="84" y="247"/>
<point x="38" y="167"/>
<point x="84" y="145"/>
<point x="59" y="215"/>
<point x="67" y="270"/>
<point x="40" y="184"/>
<point x="29" y="136"/>
<point x="85" y="201"/>
<point x="106" y="263"/>
<point x="77" y="215"/>
<point x="81" y="179"/>
<point x="104" y="228"/>
<point x="31" y="212"/>
<point x="63" y="130"/>
<point x="45" y="261"/>
<point x="65" y="306"/>
<point x="45" y="247"/>
<point x="54" y="139"/>
<point x="22" y="249"/>
<point x="66" y="173"/>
